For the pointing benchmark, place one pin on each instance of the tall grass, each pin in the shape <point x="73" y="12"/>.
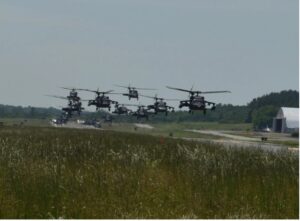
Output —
<point x="65" y="173"/>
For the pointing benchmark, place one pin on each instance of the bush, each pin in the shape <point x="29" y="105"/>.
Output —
<point x="295" y="134"/>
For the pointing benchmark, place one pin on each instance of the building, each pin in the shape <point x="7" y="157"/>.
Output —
<point x="287" y="120"/>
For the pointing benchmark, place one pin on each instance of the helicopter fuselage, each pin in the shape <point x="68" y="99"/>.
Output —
<point x="74" y="98"/>
<point x="195" y="103"/>
<point x="159" y="107"/>
<point x="101" y="102"/>
<point x="121" y="110"/>
<point x="132" y="94"/>
<point x="141" y="113"/>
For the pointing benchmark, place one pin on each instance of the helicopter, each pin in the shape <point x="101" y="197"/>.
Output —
<point x="108" y="118"/>
<point x="73" y="94"/>
<point x="100" y="101"/>
<point x="160" y="106"/>
<point x="133" y="91"/>
<point x="91" y="122"/>
<point x="141" y="112"/>
<point x="73" y="106"/>
<point x="63" y="119"/>
<point x="195" y="101"/>
<point x="120" y="110"/>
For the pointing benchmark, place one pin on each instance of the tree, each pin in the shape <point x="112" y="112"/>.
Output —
<point x="263" y="116"/>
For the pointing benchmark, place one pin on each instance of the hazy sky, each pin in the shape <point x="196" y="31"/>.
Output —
<point x="247" y="46"/>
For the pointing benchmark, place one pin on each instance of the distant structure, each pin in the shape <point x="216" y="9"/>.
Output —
<point x="287" y="120"/>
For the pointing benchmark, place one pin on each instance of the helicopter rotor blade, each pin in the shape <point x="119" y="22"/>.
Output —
<point x="160" y="98"/>
<point x="69" y="88"/>
<point x="212" y="92"/>
<point x="146" y="89"/>
<point x="172" y="99"/>
<point x="121" y="86"/>
<point x="106" y="92"/>
<point x="147" y="96"/>
<point x="80" y="89"/>
<point x="131" y="105"/>
<point x="192" y="87"/>
<point x="179" y="89"/>
<point x="97" y="91"/>
<point x="198" y="92"/>
<point x="55" y="96"/>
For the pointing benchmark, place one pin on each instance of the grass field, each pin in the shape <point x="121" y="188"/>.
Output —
<point x="69" y="173"/>
<point x="17" y="122"/>
<point x="178" y="129"/>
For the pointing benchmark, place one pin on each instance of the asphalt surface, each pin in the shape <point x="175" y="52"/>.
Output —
<point x="239" y="141"/>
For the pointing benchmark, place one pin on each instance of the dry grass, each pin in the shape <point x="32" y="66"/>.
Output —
<point x="65" y="173"/>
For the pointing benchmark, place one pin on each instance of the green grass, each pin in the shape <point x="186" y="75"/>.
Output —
<point x="289" y="143"/>
<point x="17" y="122"/>
<point x="273" y="138"/>
<point x="66" y="173"/>
<point x="205" y="126"/>
<point x="178" y="129"/>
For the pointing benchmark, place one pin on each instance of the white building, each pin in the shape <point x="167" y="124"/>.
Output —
<point x="287" y="120"/>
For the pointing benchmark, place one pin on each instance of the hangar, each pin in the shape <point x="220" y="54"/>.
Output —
<point x="287" y="120"/>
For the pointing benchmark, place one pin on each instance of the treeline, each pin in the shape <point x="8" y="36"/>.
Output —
<point x="9" y="111"/>
<point x="263" y="109"/>
<point x="222" y="114"/>
<point x="260" y="111"/>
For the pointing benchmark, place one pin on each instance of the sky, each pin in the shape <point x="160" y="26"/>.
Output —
<point x="249" y="47"/>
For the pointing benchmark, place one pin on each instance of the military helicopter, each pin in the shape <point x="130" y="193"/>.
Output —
<point x="69" y="110"/>
<point x="91" y="122"/>
<point x="141" y="112"/>
<point x="160" y="106"/>
<point x="108" y="118"/>
<point x="73" y="106"/>
<point x="195" y="101"/>
<point x="121" y="109"/>
<point x="63" y="119"/>
<point x="73" y="94"/>
<point x="100" y="101"/>
<point x="133" y="91"/>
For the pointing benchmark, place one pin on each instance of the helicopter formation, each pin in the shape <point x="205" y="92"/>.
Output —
<point x="195" y="102"/>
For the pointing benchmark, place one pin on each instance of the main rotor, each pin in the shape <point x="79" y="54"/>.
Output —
<point x="197" y="93"/>
<point x="134" y="88"/>
<point x="156" y="98"/>
<point x="98" y="92"/>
